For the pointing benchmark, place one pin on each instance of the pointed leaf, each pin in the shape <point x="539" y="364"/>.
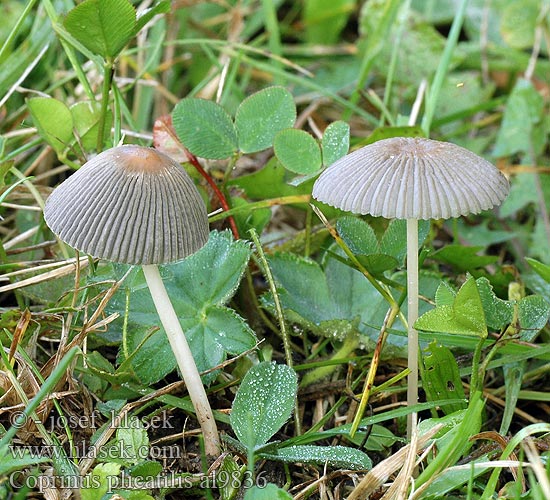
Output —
<point x="464" y="317"/>
<point x="53" y="120"/>
<point x="498" y="312"/>
<point x="440" y="376"/>
<point x="338" y="457"/>
<point x="358" y="235"/>
<point x="263" y="114"/>
<point x="335" y="142"/>
<point x="298" y="151"/>
<point x="263" y="403"/>
<point x="543" y="270"/>
<point x="162" y="7"/>
<point x="464" y="258"/>
<point x="86" y="118"/>
<point x="533" y="315"/>
<point x="445" y="295"/>
<point x="103" y="26"/>
<point x="205" y="128"/>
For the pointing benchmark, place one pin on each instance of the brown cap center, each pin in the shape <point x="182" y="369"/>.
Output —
<point x="137" y="159"/>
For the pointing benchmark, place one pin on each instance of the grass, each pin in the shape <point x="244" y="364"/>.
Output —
<point x="83" y="359"/>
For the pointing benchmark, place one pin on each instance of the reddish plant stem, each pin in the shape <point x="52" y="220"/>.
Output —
<point x="165" y="123"/>
<point x="221" y="197"/>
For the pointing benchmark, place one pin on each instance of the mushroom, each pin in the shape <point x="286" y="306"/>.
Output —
<point x="135" y="205"/>
<point x="412" y="179"/>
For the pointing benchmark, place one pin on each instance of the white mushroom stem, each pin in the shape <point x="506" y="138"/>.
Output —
<point x="184" y="358"/>
<point x="412" y="316"/>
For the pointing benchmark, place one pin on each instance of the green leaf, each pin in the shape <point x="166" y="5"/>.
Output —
<point x="104" y="27"/>
<point x="340" y="457"/>
<point x="464" y="258"/>
<point x="146" y="469"/>
<point x="205" y="128"/>
<point x="394" y="240"/>
<point x="299" y="276"/>
<point x="102" y="478"/>
<point x="11" y="460"/>
<point x="129" y="447"/>
<point x="456" y="442"/>
<point x="298" y="151"/>
<point x="263" y="114"/>
<point x="541" y="269"/>
<point x="4" y="169"/>
<point x="445" y="295"/>
<point x="211" y="275"/>
<point x="219" y="331"/>
<point x="269" y="182"/>
<point x="419" y="41"/>
<point x="199" y="287"/>
<point x="522" y="192"/>
<point x="254" y="218"/>
<point x="498" y="312"/>
<point x="269" y="491"/>
<point x="388" y="132"/>
<point x="86" y="118"/>
<point x="53" y="120"/>
<point x="521" y="127"/>
<point x="27" y="53"/>
<point x="336" y="301"/>
<point x="378" y="264"/>
<point x="358" y="235"/>
<point x="533" y="314"/>
<point x="440" y="376"/>
<point x="362" y="241"/>
<point x="325" y="19"/>
<point x="133" y="436"/>
<point x="465" y="316"/>
<point x="480" y="234"/>
<point x="263" y="403"/>
<point x="162" y="7"/>
<point x="335" y="142"/>
<point x="518" y="23"/>
<point x="513" y="380"/>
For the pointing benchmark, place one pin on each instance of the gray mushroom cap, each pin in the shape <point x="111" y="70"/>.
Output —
<point x="412" y="178"/>
<point x="129" y="204"/>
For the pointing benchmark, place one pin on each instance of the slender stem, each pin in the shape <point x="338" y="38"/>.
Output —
<point x="184" y="358"/>
<point x="108" y="70"/>
<point x="280" y="317"/>
<point x="412" y="316"/>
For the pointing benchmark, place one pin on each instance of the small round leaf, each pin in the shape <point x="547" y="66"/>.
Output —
<point x="298" y="151"/>
<point x="335" y="142"/>
<point x="263" y="114"/>
<point x="104" y="27"/>
<point x="205" y="128"/>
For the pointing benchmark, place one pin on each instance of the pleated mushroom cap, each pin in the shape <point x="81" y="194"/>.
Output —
<point x="412" y="178"/>
<point x="129" y="204"/>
